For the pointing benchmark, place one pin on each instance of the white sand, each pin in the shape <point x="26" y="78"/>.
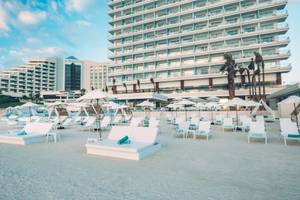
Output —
<point x="226" y="167"/>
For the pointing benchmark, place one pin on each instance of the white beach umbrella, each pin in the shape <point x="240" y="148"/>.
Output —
<point x="111" y="105"/>
<point x="28" y="106"/>
<point x="174" y="106"/>
<point x="185" y="103"/>
<point x="295" y="100"/>
<point x="213" y="105"/>
<point x="291" y="99"/>
<point x="98" y="96"/>
<point x="213" y="99"/>
<point x="238" y="102"/>
<point x="146" y="105"/>
<point x="200" y="105"/>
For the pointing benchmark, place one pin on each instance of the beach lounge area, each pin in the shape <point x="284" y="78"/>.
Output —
<point x="225" y="167"/>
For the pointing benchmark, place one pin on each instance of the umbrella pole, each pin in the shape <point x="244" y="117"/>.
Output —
<point x="296" y="116"/>
<point x="99" y="123"/>
<point x="185" y="113"/>
<point x="236" y="115"/>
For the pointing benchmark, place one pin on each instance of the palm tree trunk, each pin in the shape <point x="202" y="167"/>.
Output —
<point x="263" y="81"/>
<point x="249" y="82"/>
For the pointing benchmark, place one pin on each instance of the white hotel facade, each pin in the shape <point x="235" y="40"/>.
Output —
<point x="51" y="76"/>
<point x="180" y="44"/>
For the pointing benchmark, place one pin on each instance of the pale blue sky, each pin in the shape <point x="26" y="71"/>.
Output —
<point x="44" y="28"/>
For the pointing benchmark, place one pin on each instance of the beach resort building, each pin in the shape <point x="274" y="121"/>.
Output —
<point x="176" y="47"/>
<point x="29" y="79"/>
<point x="53" y="78"/>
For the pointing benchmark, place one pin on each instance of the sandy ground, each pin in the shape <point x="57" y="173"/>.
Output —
<point x="225" y="167"/>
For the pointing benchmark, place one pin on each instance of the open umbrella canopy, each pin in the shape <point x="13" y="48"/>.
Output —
<point x="173" y="106"/>
<point x="212" y="105"/>
<point x="200" y="105"/>
<point x="241" y="102"/>
<point x="28" y="105"/>
<point x="213" y="99"/>
<point x="95" y="95"/>
<point x="111" y="105"/>
<point x="291" y="99"/>
<point x="185" y="102"/>
<point x="56" y="103"/>
<point x="146" y="104"/>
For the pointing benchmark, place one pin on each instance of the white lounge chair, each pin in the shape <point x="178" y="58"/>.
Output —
<point x="245" y="121"/>
<point x="257" y="131"/>
<point x="227" y="124"/>
<point x="203" y="129"/>
<point x="182" y="129"/>
<point x="259" y="118"/>
<point x="288" y="130"/>
<point x="219" y="120"/>
<point x="90" y="123"/>
<point x="142" y="143"/>
<point x="35" y="133"/>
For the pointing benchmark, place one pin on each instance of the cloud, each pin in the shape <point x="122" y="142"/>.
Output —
<point x="78" y="5"/>
<point x="32" y="40"/>
<point x="54" y="5"/>
<point x="3" y="20"/>
<point x="31" y="18"/>
<point x="83" y="23"/>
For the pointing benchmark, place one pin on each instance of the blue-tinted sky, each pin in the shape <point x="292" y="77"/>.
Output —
<point x="44" y="28"/>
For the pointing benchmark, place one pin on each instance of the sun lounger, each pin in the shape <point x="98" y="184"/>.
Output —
<point x="219" y="120"/>
<point x="31" y="133"/>
<point x="203" y="129"/>
<point x="245" y="123"/>
<point x="182" y="129"/>
<point x="105" y="122"/>
<point x="142" y="143"/>
<point x="90" y="123"/>
<point x="227" y="124"/>
<point x="288" y="130"/>
<point x="257" y="131"/>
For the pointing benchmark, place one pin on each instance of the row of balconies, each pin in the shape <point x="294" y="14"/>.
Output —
<point x="200" y="52"/>
<point x="173" y="9"/>
<point x="260" y="30"/>
<point x="193" y="24"/>
<point x="254" y="8"/>
<point x="238" y="41"/>
<point x="182" y="76"/>
<point x="195" y="63"/>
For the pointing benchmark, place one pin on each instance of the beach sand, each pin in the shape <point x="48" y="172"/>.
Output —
<point x="225" y="167"/>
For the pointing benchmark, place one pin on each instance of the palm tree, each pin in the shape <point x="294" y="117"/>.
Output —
<point x="251" y="67"/>
<point x="82" y="91"/>
<point x="153" y="83"/>
<point x="114" y="86"/>
<point x="242" y="71"/>
<point x="125" y="86"/>
<point x="138" y="84"/>
<point x="260" y="63"/>
<point x="230" y="68"/>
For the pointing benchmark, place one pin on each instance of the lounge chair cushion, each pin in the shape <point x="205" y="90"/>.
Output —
<point x="20" y="133"/>
<point x="296" y="135"/>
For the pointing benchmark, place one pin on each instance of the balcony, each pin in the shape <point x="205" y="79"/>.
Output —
<point x="261" y="6"/>
<point x="221" y="27"/>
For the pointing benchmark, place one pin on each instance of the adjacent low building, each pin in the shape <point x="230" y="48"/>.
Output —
<point x="52" y="76"/>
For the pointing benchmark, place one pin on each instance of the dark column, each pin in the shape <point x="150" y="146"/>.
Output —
<point x="134" y="87"/>
<point x="278" y="78"/>
<point x="182" y="84"/>
<point x="210" y="83"/>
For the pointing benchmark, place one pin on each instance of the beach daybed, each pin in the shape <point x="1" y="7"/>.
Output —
<point x="257" y="131"/>
<point x="142" y="143"/>
<point x="288" y="130"/>
<point x="32" y="133"/>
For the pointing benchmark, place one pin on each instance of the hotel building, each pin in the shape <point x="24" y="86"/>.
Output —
<point x="53" y="77"/>
<point x="95" y="75"/>
<point x="29" y="79"/>
<point x="176" y="47"/>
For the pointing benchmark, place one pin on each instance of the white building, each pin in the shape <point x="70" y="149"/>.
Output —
<point x="29" y="79"/>
<point x="95" y="75"/>
<point x="179" y="44"/>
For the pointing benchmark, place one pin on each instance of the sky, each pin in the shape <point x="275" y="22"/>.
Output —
<point x="47" y="28"/>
